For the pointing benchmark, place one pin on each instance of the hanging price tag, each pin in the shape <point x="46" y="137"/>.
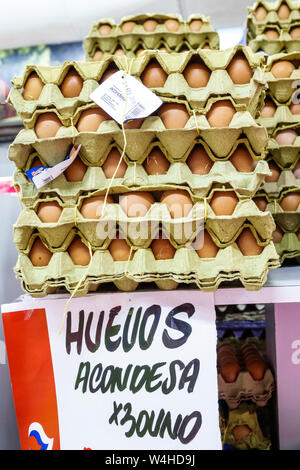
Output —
<point x="124" y="98"/>
<point x="40" y="176"/>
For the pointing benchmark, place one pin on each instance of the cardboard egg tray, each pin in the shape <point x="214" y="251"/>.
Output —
<point x="140" y="230"/>
<point x="178" y="174"/>
<point x="248" y="96"/>
<point x="177" y="143"/>
<point x="185" y="268"/>
<point x="245" y="388"/>
<point x="282" y="119"/>
<point x="289" y="247"/>
<point x="256" y="27"/>
<point x="287" y="180"/>
<point x="282" y="90"/>
<point x="284" y="44"/>
<point x="139" y="38"/>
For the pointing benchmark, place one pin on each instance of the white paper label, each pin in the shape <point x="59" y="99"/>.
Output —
<point x="124" y="98"/>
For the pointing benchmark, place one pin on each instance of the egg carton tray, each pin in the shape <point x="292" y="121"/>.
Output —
<point x="282" y="119"/>
<point x="150" y="40"/>
<point x="177" y="143"/>
<point x="283" y="89"/>
<point x="185" y="268"/>
<point x="139" y="230"/>
<point x="287" y="180"/>
<point x="136" y="177"/>
<point x="256" y="27"/>
<point x="289" y="247"/>
<point x="285" y="155"/>
<point x="284" y="44"/>
<point x="173" y="65"/>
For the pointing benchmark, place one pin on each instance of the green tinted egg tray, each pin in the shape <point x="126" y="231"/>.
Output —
<point x="284" y="44"/>
<point x="150" y="40"/>
<point x="136" y="177"/>
<point x="286" y="181"/>
<point x="289" y="247"/>
<point x="282" y="118"/>
<point x="181" y="230"/>
<point x="283" y="90"/>
<point x="289" y="221"/>
<point x="177" y="143"/>
<point x="272" y="19"/>
<point x="248" y="95"/>
<point x="185" y="268"/>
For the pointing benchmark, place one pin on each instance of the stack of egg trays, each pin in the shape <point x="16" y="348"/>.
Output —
<point x="139" y="39"/>
<point x="282" y="91"/>
<point x="256" y="37"/>
<point x="245" y="388"/>
<point x="186" y="266"/>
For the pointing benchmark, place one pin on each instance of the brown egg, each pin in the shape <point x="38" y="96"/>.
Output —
<point x="173" y="115"/>
<point x="139" y="52"/>
<point x="246" y="347"/>
<point x="119" y="52"/>
<point x="150" y="25"/>
<point x="286" y="137"/>
<point x="282" y="69"/>
<point x="247" y="243"/>
<point x="296" y="171"/>
<point x="209" y="248"/>
<point x="49" y="211"/>
<point x="196" y="25"/>
<point x="156" y="163"/>
<point x="198" y="161"/>
<point x="172" y="25"/>
<point x="39" y="255"/>
<point x="227" y="358"/>
<point x="154" y="75"/>
<point x="261" y="203"/>
<point x="111" y="69"/>
<point x="136" y="204"/>
<point x="295" y="33"/>
<point x="163" y="49"/>
<point x="120" y="250"/>
<point x="47" y="125"/>
<point x="220" y="114"/>
<point x="295" y="108"/>
<point x="72" y="84"/>
<point x="240" y="432"/>
<point x="256" y="368"/>
<point x="242" y="160"/>
<point x="276" y="172"/>
<point x="92" y="206"/>
<point x="36" y="163"/>
<point x="230" y="372"/>
<point x="251" y="356"/>
<point x="79" y="252"/>
<point x="226" y="346"/>
<point x="206" y="46"/>
<point x="271" y="34"/>
<point x="290" y="202"/>
<point x="260" y="13"/>
<point x="98" y="55"/>
<point x="224" y="202"/>
<point x="283" y="12"/>
<point x="90" y="119"/>
<point x="268" y="110"/>
<point x="110" y="165"/>
<point x="104" y="29"/>
<point x="33" y="87"/>
<point x="128" y="26"/>
<point x="239" y="70"/>
<point x="134" y="123"/>
<point x="162" y="249"/>
<point x="277" y="235"/>
<point x="178" y="202"/>
<point x="196" y="74"/>
<point x="76" y="171"/>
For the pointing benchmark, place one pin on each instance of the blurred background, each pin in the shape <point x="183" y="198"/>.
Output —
<point x="48" y="33"/>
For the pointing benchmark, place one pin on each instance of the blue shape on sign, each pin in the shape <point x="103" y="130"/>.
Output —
<point x="37" y="436"/>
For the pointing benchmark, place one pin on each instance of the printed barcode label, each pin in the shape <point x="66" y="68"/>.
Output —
<point x="47" y="180"/>
<point x="124" y="98"/>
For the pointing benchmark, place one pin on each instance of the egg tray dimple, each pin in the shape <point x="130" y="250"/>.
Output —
<point x="186" y="267"/>
<point x="283" y="118"/>
<point x="256" y="27"/>
<point x="177" y="142"/>
<point x="287" y="180"/>
<point x="283" y="89"/>
<point x="224" y="229"/>
<point x="150" y="40"/>
<point x="284" y="44"/>
<point x="286" y="155"/>
<point x="249" y="95"/>
<point x="245" y="415"/>
<point x="136" y="177"/>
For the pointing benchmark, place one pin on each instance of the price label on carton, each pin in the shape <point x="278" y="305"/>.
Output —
<point x="124" y="98"/>
<point x="40" y="176"/>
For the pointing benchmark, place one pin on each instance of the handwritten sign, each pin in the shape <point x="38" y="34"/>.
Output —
<point x="130" y="370"/>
